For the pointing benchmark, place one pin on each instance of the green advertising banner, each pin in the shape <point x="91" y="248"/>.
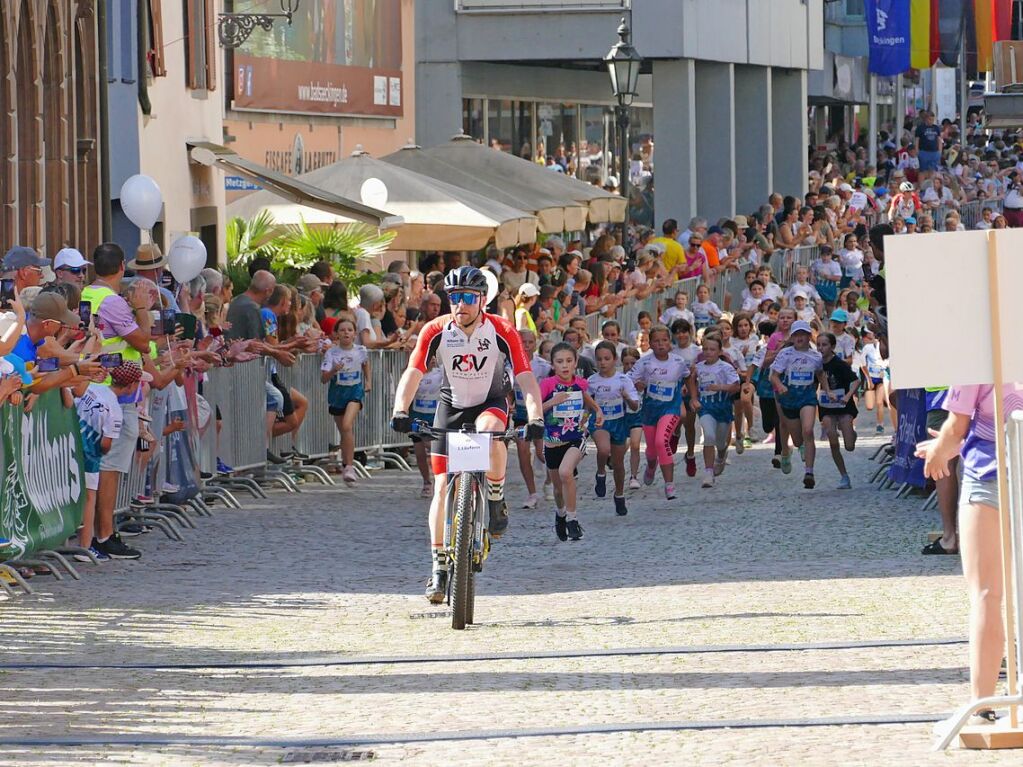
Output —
<point x="42" y="489"/>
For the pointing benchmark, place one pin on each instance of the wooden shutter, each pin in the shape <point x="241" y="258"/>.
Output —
<point x="156" y="56"/>
<point x="211" y="45"/>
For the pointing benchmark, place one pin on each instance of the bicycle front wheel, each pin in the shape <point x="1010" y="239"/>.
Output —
<point x="462" y="595"/>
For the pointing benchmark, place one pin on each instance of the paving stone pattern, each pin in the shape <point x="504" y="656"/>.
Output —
<point x="335" y="574"/>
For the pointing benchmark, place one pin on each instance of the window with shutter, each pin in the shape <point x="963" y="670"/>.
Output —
<point x="155" y="54"/>
<point x="198" y="44"/>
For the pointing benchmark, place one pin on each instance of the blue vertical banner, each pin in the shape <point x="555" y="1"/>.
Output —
<point x="912" y="408"/>
<point x="888" y="36"/>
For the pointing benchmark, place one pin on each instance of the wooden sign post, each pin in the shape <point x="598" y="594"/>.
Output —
<point x="939" y="279"/>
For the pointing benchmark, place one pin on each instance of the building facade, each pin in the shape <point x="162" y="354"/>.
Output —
<point x="161" y="103"/>
<point x="723" y="95"/>
<point x="49" y="125"/>
<point x="302" y="97"/>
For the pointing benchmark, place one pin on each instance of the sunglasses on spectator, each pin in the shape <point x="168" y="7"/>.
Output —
<point x="469" y="299"/>
<point x="74" y="269"/>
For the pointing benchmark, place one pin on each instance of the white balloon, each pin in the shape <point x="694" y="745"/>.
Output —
<point x="141" y="201"/>
<point x="187" y="257"/>
<point x="373" y="193"/>
<point x="493" y="286"/>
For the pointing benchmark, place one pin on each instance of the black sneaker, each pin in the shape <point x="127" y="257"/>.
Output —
<point x="498" y="518"/>
<point x="561" y="527"/>
<point x="575" y="530"/>
<point x="114" y="548"/>
<point x="437" y="587"/>
<point x="620" y="509"/>
<point x="808" y="481"/>
<point x="601" y="486"/>
<point x="299" y="455"/>
<point x="272" y="457"/>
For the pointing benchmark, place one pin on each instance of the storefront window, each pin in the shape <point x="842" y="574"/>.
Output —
<point x="472" y="118"/>
<point x="557" y="133"/>
<point x="510" y="126"/>
<point x="596" y="139"/>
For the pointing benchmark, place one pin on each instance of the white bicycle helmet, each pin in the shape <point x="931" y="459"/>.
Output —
<point x="905" y="186"/>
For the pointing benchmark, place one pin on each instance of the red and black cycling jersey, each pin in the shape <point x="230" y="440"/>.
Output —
<point x="474" y="366"/>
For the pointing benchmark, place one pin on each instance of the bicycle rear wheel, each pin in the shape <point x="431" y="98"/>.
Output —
<point x="462" y="584"/>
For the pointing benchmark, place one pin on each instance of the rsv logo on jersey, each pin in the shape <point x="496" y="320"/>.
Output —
<point x="467" y="363"/>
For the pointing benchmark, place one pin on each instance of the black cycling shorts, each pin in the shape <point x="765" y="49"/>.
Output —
<point x="449" y="417"/>
<point x="285" y="390"/>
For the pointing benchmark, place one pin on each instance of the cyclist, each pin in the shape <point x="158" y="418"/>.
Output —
<point x="472" y="348"/>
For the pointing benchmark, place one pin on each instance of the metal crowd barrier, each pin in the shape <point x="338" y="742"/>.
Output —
<point x="239" y="392"/>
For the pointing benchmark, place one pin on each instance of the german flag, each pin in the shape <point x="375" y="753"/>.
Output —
<point x="937" y="28"/>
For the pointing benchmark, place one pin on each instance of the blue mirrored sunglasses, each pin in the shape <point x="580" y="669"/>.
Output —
<point x="74" y="269"/>
<point x="469" y="299"/>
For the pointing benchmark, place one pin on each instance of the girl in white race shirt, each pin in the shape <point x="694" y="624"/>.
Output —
<point x="838" y="410"/>
<point x="746" y="342"/>
<point x="795" y="374"/>
<point x="705" y="311"/>
<point x="873" y="369"/>
<point x="614" y="392"/>
<point x="827" y="276"/>
<point x="633" y="421"/>
<point x="732" y="354"/>
<point x="851" y="258"/>
<point x="678" y="311"/>
<point x="717" y="382"/>
<point x="424" y="408"/>
<point x="541" y="369"/>
<point x="663" y="375"/>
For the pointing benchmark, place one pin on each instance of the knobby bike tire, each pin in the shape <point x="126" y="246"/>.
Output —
<point x="461" y="589"/>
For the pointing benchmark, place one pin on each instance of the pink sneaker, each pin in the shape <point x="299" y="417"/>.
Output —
<point x="769" y="439"/>
<point x="650" y="474"/>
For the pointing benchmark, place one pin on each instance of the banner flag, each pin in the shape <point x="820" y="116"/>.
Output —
<point x="912" y="429"/>
<point x="888" y="33"/>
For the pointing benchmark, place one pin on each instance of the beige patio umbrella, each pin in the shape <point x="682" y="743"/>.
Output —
<point x="437" y="216"/>
<point x="555" y="215"/>
<point x="492" y="165"/>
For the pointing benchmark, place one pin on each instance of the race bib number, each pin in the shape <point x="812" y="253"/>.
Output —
<point x="468" y="452"/>
<point x="570" y="408"/>
<point x="800" y="377"/>
<point x="875" y="371"/>
<point x="349" y="377"/>
<point x="613" y="409"/>
<point x="662" y="392"/>
<point x="705" y="382"/>
<point x="833" y="401"/>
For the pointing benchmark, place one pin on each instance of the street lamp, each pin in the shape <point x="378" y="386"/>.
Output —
<point x="623" y="63"/>
<point x="233" y="29"/>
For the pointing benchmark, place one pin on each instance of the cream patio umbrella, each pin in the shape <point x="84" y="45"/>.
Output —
<point x="555" y="215"/>
<point x="437" y="216"/>
<point x="492" y="165"/>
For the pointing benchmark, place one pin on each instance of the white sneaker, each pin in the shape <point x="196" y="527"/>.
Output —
<point x="348" y="475"/>
<point x="634" y="484"/>
<point x="740" y="448"/>
<point x="548" y="492"/>
<point x="531" y="500"/>
<point x="708" y="479"/>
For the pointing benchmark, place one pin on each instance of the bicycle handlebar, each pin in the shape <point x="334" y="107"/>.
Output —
<point x="429" y="430"/>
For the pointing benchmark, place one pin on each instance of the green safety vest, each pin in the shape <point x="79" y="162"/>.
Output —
<point x="96" y="295"/>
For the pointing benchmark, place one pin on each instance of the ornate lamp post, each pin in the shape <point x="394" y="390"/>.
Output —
<point x="623" y="63"/>
<point x="233" y="29"/>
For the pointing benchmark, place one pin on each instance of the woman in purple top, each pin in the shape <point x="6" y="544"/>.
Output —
<point x="970" y="431"/>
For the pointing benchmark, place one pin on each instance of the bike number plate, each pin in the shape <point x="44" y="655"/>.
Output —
<point x="468" y="452"/>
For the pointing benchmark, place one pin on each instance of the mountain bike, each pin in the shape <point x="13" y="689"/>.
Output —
<point x="466" y="538"/>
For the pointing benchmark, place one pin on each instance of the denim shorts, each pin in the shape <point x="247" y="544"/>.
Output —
<point x="983" y="492"/>
<point x="274" y="399"/>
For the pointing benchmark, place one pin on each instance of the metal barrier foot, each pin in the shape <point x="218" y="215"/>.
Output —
<point x="212" y="493"/>
<point x="361" y="470"/>
<point x="280" y="478"/>
<point x="38" y="563"/>
<point x="13" y="572"/>
<point x="388" y="457"/>
<point x="880" y="450"/>
<point x="243" y="483"/>
<point x="175" y="512"/>
<point x="159" y="521"/>
<point x="63" y="561"/>
<point x="315" y="472"/>
<point x="904" y="490"/>
<point x="198" y="505"/>
<point x="78" y="550"/>
<point x="880" y="471"/>
<point x="931" y="502"/>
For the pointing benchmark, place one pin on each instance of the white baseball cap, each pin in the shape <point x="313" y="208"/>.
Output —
<point x="528" y="289"/>
<point x="70" y="257"/>
<point x="800" y="327"/>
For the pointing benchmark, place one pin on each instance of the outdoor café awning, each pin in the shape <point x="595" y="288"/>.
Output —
<point x="435" y="215"/>
<point x="291" y="189"/>
<point x="494" y="166"/>
<point x="555" y="215"/>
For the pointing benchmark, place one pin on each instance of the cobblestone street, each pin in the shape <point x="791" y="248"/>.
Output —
<point x="297" y="625"/>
